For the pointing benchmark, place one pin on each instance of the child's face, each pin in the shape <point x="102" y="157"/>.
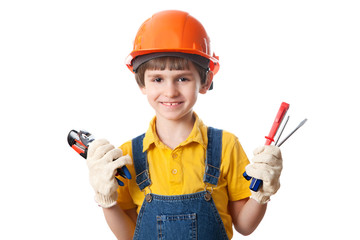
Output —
<point x="173" y="93"/>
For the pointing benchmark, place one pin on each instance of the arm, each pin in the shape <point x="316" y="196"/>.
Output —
<point x="121" y="222"/>
<point x="246" y="215"/>
<point x="102" y="170"/>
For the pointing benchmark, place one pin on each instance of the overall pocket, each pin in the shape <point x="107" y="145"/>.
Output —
<point x="174" y="227"/>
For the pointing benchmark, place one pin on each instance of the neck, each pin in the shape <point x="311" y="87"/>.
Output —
<point x="174" y="132"/>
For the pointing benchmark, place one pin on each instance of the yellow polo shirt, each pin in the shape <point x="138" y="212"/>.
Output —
<point x="181" y="170"/>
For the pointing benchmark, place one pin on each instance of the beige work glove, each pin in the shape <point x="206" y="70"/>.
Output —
<point x="266" y="165"/>
<point x="102" y="170"/>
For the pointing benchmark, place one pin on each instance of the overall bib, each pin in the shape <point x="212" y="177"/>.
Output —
<point x="189" y="216"/>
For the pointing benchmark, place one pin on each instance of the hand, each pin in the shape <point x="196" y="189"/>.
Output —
<point x="267" y="166"/>
<point x="103" y="160"/>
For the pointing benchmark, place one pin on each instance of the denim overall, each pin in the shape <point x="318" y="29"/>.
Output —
<point x="189" y="216"/>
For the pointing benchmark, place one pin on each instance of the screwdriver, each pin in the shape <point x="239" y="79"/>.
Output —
<point x="300" y="124"/>
<point x="256" y="183"/>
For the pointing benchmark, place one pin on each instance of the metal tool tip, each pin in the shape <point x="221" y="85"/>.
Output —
<point x="303" y="122"/>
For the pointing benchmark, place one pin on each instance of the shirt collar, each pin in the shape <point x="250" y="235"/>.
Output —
<point x="198" y="134"/>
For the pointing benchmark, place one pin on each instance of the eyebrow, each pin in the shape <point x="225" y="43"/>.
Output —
<point x="158" y="73"/>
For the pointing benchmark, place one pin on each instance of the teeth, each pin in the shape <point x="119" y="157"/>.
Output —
<point x="170" y="104"/>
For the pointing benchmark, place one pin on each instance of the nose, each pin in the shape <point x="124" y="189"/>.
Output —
<point x="171" y="90"/>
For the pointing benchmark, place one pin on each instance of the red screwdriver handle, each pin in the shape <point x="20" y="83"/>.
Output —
<point x="278" y="119"/>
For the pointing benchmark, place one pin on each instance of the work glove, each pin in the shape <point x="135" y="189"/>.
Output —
<point x="103" y="160"/>
<point x="266" y="165"/>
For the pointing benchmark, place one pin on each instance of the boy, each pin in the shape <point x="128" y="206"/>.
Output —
<point x="187" y="178"/>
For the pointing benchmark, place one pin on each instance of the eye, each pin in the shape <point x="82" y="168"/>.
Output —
<point x="157" y="80"/>
<point x="183" y="79"/>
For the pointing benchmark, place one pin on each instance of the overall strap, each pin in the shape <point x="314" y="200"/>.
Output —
<point x="213" y="156"/>
<point x="140" y="162"/>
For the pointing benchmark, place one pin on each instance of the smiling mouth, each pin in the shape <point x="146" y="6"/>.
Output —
<point x="171" y="104"/>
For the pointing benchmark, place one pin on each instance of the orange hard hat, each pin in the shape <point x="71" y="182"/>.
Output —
<point x="172" y="33"/>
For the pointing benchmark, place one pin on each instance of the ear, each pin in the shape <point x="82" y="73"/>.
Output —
<point x="143" y="90"/>
<point x="209" y="78"/>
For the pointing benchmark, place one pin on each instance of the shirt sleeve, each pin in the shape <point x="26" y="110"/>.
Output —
<point x="124" y="199"/>
<point x="238" y="186"/>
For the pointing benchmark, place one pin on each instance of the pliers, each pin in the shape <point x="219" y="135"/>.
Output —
<point x="80" y="141"/>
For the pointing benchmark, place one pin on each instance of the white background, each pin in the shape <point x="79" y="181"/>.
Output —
<point x="62" y="68"/>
